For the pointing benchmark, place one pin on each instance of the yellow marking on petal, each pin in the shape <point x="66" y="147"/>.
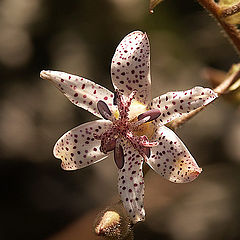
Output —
<point x="191" y="172"/>
<point x="135" y="109"/>
<point x="194" y="173"/>
<point x="146" y="129"/>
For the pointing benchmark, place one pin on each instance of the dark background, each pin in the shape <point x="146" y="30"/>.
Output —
<point x="39" y="200"/>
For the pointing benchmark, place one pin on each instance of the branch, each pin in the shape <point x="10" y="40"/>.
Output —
<point x="211" y="6"/>
<point x="220" y="14"/>
<point x="223" y="88"/>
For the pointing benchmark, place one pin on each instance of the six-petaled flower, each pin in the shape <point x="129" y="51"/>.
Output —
<point x="132" y="124"/>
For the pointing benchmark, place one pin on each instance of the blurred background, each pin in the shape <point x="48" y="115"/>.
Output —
<point x="41" y="201"/>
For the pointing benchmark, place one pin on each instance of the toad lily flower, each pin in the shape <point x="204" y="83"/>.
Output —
<point x="131" y="125"/>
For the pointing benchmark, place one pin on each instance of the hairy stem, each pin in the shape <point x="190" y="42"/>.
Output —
<point x="220" y="15"/>
<point x="210" y="5"/>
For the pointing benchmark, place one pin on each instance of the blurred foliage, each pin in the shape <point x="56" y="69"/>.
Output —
<point x="41" y="201"/>
<point x="234" y="19"/>
<point x="234" y="89"/>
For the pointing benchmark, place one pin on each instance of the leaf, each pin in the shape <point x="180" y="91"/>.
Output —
<point x="227" y="3"/>
<point x="230" y="11"/>
<point x="234" y="19"/>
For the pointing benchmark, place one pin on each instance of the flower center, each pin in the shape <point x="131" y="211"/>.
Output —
<point x="147" y="129"/>
<point x="131" y="123"/>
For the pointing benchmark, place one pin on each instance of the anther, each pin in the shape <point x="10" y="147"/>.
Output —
<point x="104" y="110"/>
<point x="153" y="114"/>
<point x="111" y="144"/>
<point x="147" y="151"/>
<point x="119" y="156"/>
<point x="140" y="122"/>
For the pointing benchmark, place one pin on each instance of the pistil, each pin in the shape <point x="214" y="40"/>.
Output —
<point x="124" y="129"/>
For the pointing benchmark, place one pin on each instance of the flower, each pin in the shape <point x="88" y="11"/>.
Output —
<point x="131" y="125"/>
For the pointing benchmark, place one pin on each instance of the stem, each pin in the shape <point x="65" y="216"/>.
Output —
<point x="233" y="33"/>
<point x="231" y="30"/>
<point x="220" y="90"/>
<point x="224" y="86"/>
<point x="210" y="5"/>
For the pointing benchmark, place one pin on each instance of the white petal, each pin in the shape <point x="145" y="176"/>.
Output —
<point x="171" y="159"/>
<point x="131" y="183"/>
<point x="173" y="104"/>
<point x="78" y="148"/>
<point x="130" y="67"/>
<point x="80" y="91"/>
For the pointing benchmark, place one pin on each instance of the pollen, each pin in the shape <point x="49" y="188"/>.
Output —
<point x="116" y="113"/>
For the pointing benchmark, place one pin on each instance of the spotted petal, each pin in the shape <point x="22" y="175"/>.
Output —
<point x="78" y="148"/>
<point x="171" y="159"/>
<point x="131" y="183"/>
<point x="130" y="67"/>
<point x="174" y="104"/>
<point x="80" y="91"/>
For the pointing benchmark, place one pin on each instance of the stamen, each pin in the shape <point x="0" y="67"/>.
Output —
<point x="125" y="128"/>
<point x="153" y="114"/>
<point x="140" y="122"/>
<point x="147" y="151"/>
<point x="104" y="110"/>
<point x="131" y="96"/>
<point x="123" y="103"/>
<point x="111" y="144"/>
<point x="143" y="141"/>
<point x="119" y="156"/>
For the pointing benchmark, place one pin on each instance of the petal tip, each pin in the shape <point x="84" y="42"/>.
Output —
<point x="66" y="167"/>
<point x="137" y="32"/>
<point x="216" y="95"/>
<point x="139" y="218"/>
<point x="45" y="74"/>
<point x="56" y="151"/>
<point x="194" y="174"/>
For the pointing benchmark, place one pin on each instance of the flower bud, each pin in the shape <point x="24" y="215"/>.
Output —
<point x="114" y="223"/>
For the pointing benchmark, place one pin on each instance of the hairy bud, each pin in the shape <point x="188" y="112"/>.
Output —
<point x="114" y="223"/>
